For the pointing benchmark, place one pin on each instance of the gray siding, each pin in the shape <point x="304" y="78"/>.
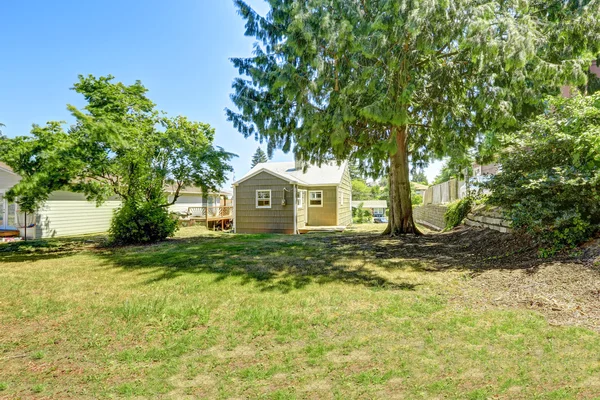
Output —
<point x="326" y="215"/>
<point x="277" y="219"/>
<point x="345" y="209"/>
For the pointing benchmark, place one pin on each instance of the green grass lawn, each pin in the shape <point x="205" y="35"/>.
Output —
<point x="214" y="315"/>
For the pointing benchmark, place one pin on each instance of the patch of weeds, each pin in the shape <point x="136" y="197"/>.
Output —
<point x="38" y="355"/>
<point x="130" y="389"/>
<point x="3" y="386"/>
<point x="258" y="372"/>
<point x="284" y="394"/>
<point x="479" y="394"/>
<point x="316" y="352"/>
<point x="263" y="320"/>
<point x="374" y="377"/>
<point x="39" y="388"/>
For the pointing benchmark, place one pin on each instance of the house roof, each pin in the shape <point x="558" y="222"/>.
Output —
<point x="370" y="203"/>
<point x="419" y="186"/>
<point x="325" y="175"/>
<point x="6" y="168"/>
<point x="194" y="190"/>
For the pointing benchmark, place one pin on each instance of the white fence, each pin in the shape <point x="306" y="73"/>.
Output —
<point x="443" y="193"/>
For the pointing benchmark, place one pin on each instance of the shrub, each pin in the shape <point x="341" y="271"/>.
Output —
<point x="361" y="215"/>
<point x="549" y="185"/>
<point x="416" y="199"/>
<point x="141" y="223"/>
<point x="457" y="211"/>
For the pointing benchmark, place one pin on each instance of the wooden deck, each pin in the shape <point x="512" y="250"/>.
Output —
<point x="217" y="215"/>
<point x="317" y="229"/>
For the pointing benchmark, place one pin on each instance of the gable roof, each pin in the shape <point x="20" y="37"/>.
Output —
<point x="419" y="186"/>
<point x="370" y="203"/>
<point x="6" y="168"/>
<point x="325" y="175"/>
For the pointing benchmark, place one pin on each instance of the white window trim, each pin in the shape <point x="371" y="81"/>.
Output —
<point x="270" y="198"/>
<point x="309" y="198"/>
<point x="302" y="198"/>
<point x="341" y="198"/>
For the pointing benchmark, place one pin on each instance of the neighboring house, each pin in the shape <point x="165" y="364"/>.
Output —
<point x="67" y="213"/>
<point x="283" y="197"/>
<point x="419" y="188"/>
<point x="377" y="207"/>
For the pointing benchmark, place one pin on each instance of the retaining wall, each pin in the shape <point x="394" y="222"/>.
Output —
<point x="430" y="215"/>
<point x="490" y="218"/>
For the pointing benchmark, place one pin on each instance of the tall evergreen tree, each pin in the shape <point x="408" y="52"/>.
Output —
<point x="418" y="176"/>
<point x="259" y="157"/>
<point x="388" y="81"/>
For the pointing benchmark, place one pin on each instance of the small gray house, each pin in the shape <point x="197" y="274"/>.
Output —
<point x="282" y="197"/>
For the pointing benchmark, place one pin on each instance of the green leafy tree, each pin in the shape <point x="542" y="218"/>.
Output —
<point x="120" y="145"/>
<point x="418" y="176"/>
<point x="259" y="157"/>
<point x="549" y="185"/>
<point x="360" y="190"/>
<point x="385" y="81"/>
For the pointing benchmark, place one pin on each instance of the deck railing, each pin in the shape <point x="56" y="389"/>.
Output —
<point x="214" y="212"/>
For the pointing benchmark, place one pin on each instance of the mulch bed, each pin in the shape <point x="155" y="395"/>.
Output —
<point x="506" y="271"/>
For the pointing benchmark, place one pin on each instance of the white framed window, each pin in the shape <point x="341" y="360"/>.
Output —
<point x="263" y="198"/>
<point x="341" y="198"/>
<point x="315" y="198"/>
<point x="301" y="198"/>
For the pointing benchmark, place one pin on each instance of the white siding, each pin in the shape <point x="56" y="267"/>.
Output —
<point x="187" y="200"/>
<point x="69" y="214"/>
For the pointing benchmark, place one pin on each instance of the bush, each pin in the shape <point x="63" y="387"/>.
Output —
<point x="416" y="199"/>
<point x="457" y="211"/>
<point x="141" y="223"/>
<point x="361" y="215"/>
<point x="549" y="185"/>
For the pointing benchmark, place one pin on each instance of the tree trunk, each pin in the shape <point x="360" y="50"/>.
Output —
<point x="401" y="216"/>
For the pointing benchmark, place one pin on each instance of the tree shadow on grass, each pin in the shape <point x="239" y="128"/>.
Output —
<point x="273" y="263"/>
<point x="285" y="263"/>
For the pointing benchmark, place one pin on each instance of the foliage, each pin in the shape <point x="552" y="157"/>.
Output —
<point x="378" y="80"/>
<point x="360" y="190"/>
<point x="144" y="223"/>
<point x="549" y="185"/>
<point x="593" y="83"/>
<point x="361" y="215"/>
<point x="120" y="145"/>
<point x="457" y="211"/>
<point x="418" y="176"/>
<point x="415" y="198"/>
<point x="453" y="169"/>
<point x="259" y="157"/>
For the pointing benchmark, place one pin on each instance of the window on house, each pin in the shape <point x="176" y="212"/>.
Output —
<point x="300" y="198"/>
<point x="315" y="198"/>
<point x="263" y="199"/>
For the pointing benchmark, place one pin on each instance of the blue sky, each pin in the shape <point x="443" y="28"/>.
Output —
<point x="180" y="50"/>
